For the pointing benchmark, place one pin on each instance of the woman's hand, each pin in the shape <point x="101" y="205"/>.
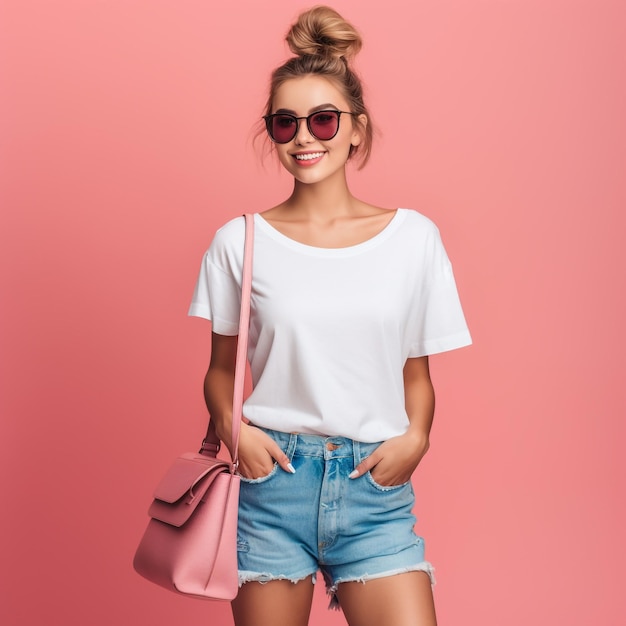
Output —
<point x="257" y="453"/>
<point x="395" y="460"/>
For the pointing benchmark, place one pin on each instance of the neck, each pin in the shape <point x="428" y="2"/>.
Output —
<point x="325" y="200"/>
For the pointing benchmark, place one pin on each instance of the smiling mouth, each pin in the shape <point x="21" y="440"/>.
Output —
<point x="309" y="156"/>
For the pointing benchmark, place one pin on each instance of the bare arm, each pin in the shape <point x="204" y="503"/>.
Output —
<point x="393" y="462"/>
<point x="419" y="401"/>
<point x="219" y="384"/>
<point x="257" y="451"/>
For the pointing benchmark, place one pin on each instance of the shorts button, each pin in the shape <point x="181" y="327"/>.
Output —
<point x="332" y="446"/>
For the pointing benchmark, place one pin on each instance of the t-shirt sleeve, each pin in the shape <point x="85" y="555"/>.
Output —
<point x="217" y="295"/>
<point x="440" y="320"/>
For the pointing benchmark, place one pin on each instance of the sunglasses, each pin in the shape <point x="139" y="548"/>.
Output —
<point x="323" y="125"/>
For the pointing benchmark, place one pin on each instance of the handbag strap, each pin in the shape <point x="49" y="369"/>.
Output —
<point x="211" y="443"/>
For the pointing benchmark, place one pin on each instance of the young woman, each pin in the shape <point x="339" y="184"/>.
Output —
<point x="348" y="301"/>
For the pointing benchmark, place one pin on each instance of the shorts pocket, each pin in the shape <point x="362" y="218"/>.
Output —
<point x="372" y="482"/>
<point x="261" y="479"/>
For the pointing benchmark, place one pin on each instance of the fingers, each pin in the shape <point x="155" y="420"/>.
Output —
<point x="260" y="449"/>
<point x="365" y="466"/>
<point x="281" y="458"/>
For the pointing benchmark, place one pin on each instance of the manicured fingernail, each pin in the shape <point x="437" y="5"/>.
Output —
<point x="353" y="474"/>
<point x="291" y="468"/>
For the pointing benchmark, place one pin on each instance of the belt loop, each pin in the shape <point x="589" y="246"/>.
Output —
<point x="291" y="446"/>
<point x="356" y="451"/>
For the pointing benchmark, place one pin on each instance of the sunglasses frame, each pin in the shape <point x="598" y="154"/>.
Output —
<point x="268" y="123"/>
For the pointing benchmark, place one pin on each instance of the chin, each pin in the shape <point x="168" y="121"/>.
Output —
<point x="315" y="175"/>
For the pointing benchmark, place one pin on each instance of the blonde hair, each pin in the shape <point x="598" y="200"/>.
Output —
<point x="324" y="44"/>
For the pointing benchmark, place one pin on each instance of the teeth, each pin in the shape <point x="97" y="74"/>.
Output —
<point x="308" y="157"/>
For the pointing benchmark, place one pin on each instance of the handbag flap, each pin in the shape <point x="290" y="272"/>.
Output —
<point x="185" y="476"/>
<point x="184" y="485"/>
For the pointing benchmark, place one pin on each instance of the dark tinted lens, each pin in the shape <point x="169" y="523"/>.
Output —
<point x="324" y="124"/>
<point x="282" y="128"/>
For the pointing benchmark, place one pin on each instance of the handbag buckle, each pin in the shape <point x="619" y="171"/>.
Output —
<point x="209" y="448"/>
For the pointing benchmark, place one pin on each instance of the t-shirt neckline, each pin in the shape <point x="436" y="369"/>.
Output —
<point x="368" y="244"/>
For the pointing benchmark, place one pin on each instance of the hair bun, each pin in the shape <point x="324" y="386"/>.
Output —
<point x="321" y="31"/>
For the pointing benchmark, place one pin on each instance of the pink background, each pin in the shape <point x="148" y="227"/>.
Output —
<point x="125" y="140"/>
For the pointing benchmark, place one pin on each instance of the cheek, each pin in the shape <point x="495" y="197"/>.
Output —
<point x="283" y="157"/>
<point x="346" y="144"/>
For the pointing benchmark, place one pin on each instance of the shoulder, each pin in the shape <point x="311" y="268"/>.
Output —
<point x="421" y="237"/>
<point x="232" y="231"/>
<point x="226" y="249"/>
<point x="417" y="228"/>
<point x="230" y="236"/>
<point x="418" y="222"/>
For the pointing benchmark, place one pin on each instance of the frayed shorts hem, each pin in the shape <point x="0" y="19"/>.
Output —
<point x="424" y="566"/>
<point x="331" y="587"/>
<point x="265" y="577"/>
<point x="331" y="590"/>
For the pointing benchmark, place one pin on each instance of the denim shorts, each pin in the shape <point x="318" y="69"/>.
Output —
<point x="292" y="525"/>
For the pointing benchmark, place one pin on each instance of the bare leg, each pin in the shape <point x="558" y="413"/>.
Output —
<point x="400" y="600"/>
<point x="276" y="603"/>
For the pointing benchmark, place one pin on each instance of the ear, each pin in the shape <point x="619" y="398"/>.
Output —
<point x="359" y="129"/>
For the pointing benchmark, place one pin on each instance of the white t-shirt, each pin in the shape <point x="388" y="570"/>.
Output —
<point x="331" y="328"/>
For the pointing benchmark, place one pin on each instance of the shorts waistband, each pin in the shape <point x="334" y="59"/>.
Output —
<point x="328" y="447"/>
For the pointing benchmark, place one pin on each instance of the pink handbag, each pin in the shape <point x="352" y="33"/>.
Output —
<point x="190" y="544"/>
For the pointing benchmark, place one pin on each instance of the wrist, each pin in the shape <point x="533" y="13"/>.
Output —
<point x="223" y="427"/>
<point x="419" y="439"/>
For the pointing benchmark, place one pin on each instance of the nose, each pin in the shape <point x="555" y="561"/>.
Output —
<point x="303" y="136"/>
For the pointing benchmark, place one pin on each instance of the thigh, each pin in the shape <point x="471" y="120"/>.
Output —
<point x="275" y="603"/>
<point x="398" y="600"/>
